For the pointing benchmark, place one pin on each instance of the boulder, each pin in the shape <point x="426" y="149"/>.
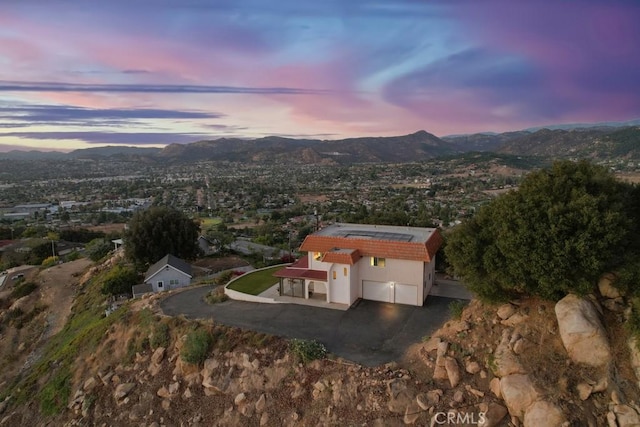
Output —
<point x="518" y="393"/>
<point x="505" y="311"/>
<point x="399" y="396"/>
<point x="581" y="331"/>
<point x="453" y="371"/>
<point x="440" y="372"/>
<point x="616" y="305"/>
<point x="515" y="319"/>
<point x="89" y="384"/>
<point x="158" y="355"/>
<point x="626" y="416"/>
<point x="491" y="414"/>
<point x="122" y="390"/>
<point x="634" y="349"/>
<point x="423" y="401"/>
<point x="494" y="386"/>
<point x="472" y="367"/>
<point x="261" y="403"/>
<point x="606" y="288"/>
<point x="543" y="414"/>
<point x="505" y="362"/>
<point x="412" y="413"/>
<point x="584" y="390"/>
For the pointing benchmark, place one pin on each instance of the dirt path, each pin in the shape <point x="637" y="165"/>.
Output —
<point x="58" y="286"/>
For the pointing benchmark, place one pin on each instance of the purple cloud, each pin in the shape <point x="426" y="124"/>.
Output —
<point x="16" y="86"/>
<point x="66" y="114"/>
<point x="132" y="138"/>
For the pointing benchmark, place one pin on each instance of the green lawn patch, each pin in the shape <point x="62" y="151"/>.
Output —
<point x="209" y="222"/>
<point x="254" y="283"/>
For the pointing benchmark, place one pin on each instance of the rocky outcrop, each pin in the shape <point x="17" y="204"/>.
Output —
<point x="544" y="414"/>
<point x="518" y="393"/>
<point x="581" y="331"/>
<point x="606" y="288"/>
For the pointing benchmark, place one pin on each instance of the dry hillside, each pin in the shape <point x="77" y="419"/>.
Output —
<point x="504" y="365"/>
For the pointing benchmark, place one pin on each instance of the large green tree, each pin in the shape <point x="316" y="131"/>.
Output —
<point x="557" y="233"/>
<point x="158" y="231"/>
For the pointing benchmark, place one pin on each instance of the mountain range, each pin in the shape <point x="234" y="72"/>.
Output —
<point x="597" y="143"/>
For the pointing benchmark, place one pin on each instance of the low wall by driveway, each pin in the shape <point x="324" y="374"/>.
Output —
<point x="241" y="296"/>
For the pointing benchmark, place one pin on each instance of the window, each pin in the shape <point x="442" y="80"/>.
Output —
<point x="174" y="282"/>
<point x="377" y="262"/>
<point x="334" y="275"/>
<point x="345" y="271"/>
<point x="317" y="256"/>
<point x="160" y="284"/>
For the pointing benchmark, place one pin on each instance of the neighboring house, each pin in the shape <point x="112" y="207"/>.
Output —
<point x="247" y="247"/>
<point x="375" y="262"/>
<point x="206" y="246"/>
<point x="169" y="273"/>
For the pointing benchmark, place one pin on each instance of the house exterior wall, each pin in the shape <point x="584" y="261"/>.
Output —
<point x="346" y="289"/>
<point x="395" y="270"/>
<point x="166" y="276"/>
<point x="429" y="277"/>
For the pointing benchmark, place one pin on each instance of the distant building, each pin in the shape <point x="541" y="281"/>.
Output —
<point x="169" y="273"/>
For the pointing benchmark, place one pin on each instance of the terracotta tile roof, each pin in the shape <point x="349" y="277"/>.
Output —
<point x="300" y="270"/>
<point x="342" y="257"/>
<point x="414" y="251"/>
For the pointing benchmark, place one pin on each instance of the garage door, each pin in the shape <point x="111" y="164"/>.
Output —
<point x="376" y="291"/>
<point x="406" y="294"/>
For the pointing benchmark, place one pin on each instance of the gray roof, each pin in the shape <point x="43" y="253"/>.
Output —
<point x="168" y="260"/>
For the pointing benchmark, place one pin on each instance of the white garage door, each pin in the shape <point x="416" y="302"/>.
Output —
<point x="406" y="294"/>
<point x="376" y="291"/>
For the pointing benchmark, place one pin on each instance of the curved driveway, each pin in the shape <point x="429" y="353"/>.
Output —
<point x="371" y="333"/>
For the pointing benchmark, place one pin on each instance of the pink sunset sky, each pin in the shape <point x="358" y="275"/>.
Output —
<point x="75" y="73"/>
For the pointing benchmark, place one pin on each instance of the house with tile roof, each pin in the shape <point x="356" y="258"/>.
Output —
<point x="345" y="262"/>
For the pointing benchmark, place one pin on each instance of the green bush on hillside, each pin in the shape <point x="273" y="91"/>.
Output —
<point x="558" y="233"/>
<point x="119" y="280"/>
<point x="197" y="346"/>
<point x="307" y="350"/>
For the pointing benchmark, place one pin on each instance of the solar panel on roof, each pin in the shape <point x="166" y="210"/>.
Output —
<point x="376" y="235"/>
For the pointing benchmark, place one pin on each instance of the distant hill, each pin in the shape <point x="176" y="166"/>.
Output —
<point x="414" y="147"/>
<point x="33" y="155"/>
<point x="112" y="150"/>
<point x="579" y="143"/>
<point x="483" y="141"/>
<point x="597" y="143"/>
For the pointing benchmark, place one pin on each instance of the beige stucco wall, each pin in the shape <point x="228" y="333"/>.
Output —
<point x="346" y="289"/>
<point x="395" y="270"/>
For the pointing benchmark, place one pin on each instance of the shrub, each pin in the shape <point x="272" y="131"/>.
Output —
<point x="74" y="255"/>
<point x="557" y="234"/>
<point x="196" y="347"/>
<point x="119" y="280"/>
<point x="217" y="295"/>
<point x="98" y="249"/>
<point x="224" y="278"/>
<point x="160" y="336"/>
<point x="50" y="261"/>
<point x="456" y="308"/>
<point x="23" y="289"/>
<point x="307" y="350"/>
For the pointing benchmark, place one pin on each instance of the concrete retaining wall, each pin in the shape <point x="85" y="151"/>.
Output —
<point x="241" y="296"/>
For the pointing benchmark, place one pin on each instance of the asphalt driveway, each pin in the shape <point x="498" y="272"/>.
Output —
<point x="371" y="333"/>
